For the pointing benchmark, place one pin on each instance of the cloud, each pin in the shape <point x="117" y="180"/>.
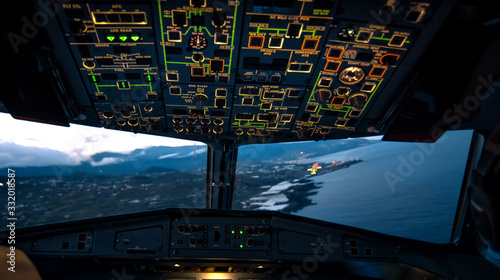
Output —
<point x="177" y="155"/>
<point x="74" y="144"/>
<point x="198" y="151"/>
<point x="168" y="156"/>
<point x="14" y="155"/>
<point x="106" y="161"/>
<point x="89" y="140"/>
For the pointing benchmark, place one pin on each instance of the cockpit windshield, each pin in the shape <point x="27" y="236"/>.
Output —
<point x="404" y="189"/>
<point x="66" y="174"/>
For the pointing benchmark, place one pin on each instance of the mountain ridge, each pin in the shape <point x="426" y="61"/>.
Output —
<point x="180" y="158"/>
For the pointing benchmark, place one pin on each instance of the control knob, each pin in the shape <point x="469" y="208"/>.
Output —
<point x="261" y="231"/>
<point x="322" y="96"/>
<point x="358" y="100"/>
<point x="199" y="100"/>
<point x="151" y="126"/>
<point x="181" y="229"/>
<point x="250" y="242"/>
<point x="198" y="58"/>
<point x="219" y="18"/>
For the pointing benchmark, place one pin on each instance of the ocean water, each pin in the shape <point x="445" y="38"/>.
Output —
<point x="403" y="189"/>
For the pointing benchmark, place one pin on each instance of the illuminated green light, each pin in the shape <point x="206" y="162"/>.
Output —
<point x="232" y="232"/>
<point x="123" y="85"/>
<point x="110" y="38"/>
<point x="241" y="245"/>
<point x="123" y="38"/>
<point x="241" y="232"/>
<point x="135" y="37"/>
<point x="93" y="78"/>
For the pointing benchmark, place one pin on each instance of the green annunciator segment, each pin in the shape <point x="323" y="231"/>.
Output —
<point x="135" y="37"/>
<point x="123" y="37"/>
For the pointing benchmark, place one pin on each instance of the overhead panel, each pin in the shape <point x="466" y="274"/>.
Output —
<point x="246" y="71"/>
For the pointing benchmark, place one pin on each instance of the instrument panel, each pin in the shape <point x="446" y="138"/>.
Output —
<point x="246" y="71"/>
<point x="170" y="244"/>
<point x="209" y="244"/>
<point x="206" y="235"/>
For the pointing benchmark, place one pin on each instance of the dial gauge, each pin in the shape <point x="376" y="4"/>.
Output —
<point x="351" y="75"/>
<point x="198" y="42"/>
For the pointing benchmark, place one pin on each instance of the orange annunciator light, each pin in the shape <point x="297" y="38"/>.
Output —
<point x="338" y="101"/>
<point x="216" y="65"/>
<point x="197" y="71"/>
<point x="377" y="71"/>
<point x="310" y="44"/>
<point x="335" y="52"/>
<point x="332" y="66"/>
<point x="256" y="41"/>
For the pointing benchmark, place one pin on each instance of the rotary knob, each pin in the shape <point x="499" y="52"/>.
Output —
<point x="89" y="64"/>
<point x="151" y="126"/>
<point x="261" y="230"/>
<point x="250" y="242"/>
<point x="107" y="115"/>
<point x="358" y="100"/>
<point x="199" y="100"/>
<point x="322" y="96"/>
<point x="181" y="229"/>
<point x="197" y="57"/>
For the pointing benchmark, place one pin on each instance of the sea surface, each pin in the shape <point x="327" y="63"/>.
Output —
<point x="404" y="189"/>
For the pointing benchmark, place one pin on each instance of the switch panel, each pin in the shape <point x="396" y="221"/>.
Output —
<point x="78" y="242"/>
<point x="191" y="69"/>
<point x="217" y="234"/>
